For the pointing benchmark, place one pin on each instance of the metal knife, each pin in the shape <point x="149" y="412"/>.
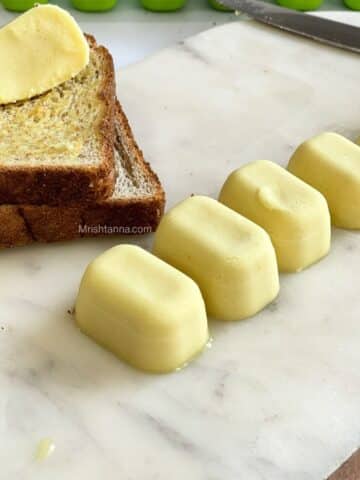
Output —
<point x="321" y="29"/>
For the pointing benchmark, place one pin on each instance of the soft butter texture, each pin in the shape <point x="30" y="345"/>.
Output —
<point x="39" y="50"/>
<point x="294" y="214"/>
<point x="60" y="127"/>
<point x="331" y="164"/>
<point x="143" y="310"/>
<point x="231" y="259"/>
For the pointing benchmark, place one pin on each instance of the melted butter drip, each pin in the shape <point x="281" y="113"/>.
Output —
<point x="44" y="449"/>
<point x="207" y="345"/>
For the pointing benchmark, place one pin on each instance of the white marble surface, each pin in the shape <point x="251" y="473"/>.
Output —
<point x="277" y="396"/>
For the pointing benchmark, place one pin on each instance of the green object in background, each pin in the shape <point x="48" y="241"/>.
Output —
<point x="20" y="5"/>
<point x="219" y="7"/>
<point x="163" y="5"/>
<point x="302" y="5"/>
<point x="353" y="4"/>
<point x="94" y="5"/>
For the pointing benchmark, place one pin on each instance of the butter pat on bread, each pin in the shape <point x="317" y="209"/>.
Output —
<point x="141" y="309"/>
<point x="58" y="148"/>
<point x="294" y="214"/>
<point x="39" y="50"/>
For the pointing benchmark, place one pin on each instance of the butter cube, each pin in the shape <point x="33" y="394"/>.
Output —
<point x="295" y="215"/>
<point x="141" y="309"/>
<point x="231" y="259"/>
<point x="39" y="50"/>
<point x="331" y="164"/>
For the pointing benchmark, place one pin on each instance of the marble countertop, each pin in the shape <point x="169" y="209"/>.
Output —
<point x="277" y="396"/>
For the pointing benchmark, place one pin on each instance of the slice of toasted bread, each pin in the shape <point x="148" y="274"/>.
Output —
<point x="57" y="148"/>
<point x="135" y="207"/>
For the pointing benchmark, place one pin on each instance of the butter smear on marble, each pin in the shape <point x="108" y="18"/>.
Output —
<point x="44" y="449"/>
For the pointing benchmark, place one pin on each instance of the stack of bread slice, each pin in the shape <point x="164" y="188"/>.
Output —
<point x="70" y="166"/>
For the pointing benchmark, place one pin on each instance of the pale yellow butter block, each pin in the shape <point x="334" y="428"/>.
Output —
<point x="294" y="214"/>
<point x="331" y="164"/>
<point x="231" y="259"/>
<point x="141" y="309"/>
<point x="39" y="50"/>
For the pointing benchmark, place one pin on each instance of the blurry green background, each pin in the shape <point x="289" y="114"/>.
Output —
<point x="192" y="5"/>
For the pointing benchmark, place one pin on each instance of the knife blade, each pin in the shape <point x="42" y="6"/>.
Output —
<point x="323" y="30"/>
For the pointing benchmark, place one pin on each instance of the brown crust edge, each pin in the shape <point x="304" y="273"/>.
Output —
<point x="25" y="224"/>
<point x="349" y="470"/>
<point x="61" y="185"/>
<point x="123" y="123"/>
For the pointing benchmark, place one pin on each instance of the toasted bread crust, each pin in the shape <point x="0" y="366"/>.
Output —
<point x="123" y="123"/>
<point x="59" y="185"/>
<point x="25" y="224"/>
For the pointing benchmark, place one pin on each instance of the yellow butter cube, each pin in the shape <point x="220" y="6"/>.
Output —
<point x="231" y="259"/>
<point x="331" y="164"/>
<point x="141" y="309"/>
<point x="294" y="214"/>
